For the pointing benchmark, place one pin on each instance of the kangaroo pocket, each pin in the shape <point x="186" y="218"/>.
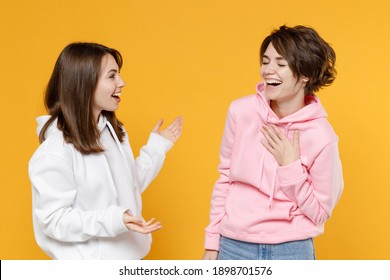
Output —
<point x="129" y="245"/>
<point x="248" y="213"/>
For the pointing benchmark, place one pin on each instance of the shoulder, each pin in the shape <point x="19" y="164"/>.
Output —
<point x="56" y="147"/>
<point x="243" y="105"/>
<point x="317" y="135"/>
<point x="323" y="130"/>
<point x="242" y="102"/>
<point x="316" y="125"/>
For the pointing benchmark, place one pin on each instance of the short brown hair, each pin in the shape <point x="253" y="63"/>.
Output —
<point x="69" y="96"/>
<point x="307" y="55"/>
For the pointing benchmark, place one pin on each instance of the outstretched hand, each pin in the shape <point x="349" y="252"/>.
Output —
<point x="280" y="146"/>
<point x="173" y="131"/>
<point x="138" y="224"/>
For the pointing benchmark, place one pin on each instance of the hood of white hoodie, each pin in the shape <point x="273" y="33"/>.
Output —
<point x="313" y="110"/>
<point x="103" y="123"/>
<point x="41" y="121"/>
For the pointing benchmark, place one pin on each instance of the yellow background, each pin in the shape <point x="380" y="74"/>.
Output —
<point x="193" y="58"/>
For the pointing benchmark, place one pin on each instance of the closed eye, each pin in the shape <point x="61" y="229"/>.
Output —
<point x="112" y="73"/>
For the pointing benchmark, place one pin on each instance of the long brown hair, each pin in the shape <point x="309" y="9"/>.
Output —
<point x="69" y="95"/>
<point x="307" y="55"/>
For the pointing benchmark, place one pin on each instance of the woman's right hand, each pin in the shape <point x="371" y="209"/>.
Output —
<point x="210" y="255"/>
<point x="138" y="224"/>
<point x="173" y="131"/>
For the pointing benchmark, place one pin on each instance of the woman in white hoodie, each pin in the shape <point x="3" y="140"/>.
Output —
<point x="86" y="183"/>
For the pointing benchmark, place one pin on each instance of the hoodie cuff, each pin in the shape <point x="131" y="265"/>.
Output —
<point x="212" y="241"/>
<point x="118" y="226"/>
<point x="160" y="143"/>
<point x="291" y="172"/>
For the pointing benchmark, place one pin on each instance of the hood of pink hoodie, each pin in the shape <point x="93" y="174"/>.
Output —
<point x="313" y="110"/>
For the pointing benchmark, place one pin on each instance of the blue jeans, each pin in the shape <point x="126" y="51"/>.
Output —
<point x="231" y="249"/>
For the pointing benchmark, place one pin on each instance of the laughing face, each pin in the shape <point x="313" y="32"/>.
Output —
<point x="108" y="88"/>
<point x="282" y="88"/>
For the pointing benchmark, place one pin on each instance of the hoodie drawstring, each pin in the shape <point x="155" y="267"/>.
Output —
<point x="116" y="139"/>
<point x="274" y="175"/>
<point x="134" y="211"/>
<point x="287" y="128"/>
<point x="273" y="184"/>
<point x="119" y="146"/>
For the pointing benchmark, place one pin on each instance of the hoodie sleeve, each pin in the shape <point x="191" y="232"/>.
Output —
<point x="317" y="190"/>
<point x="150" y="161"/>
<point x="222" y="186"/>
<point x="54" y="192"/>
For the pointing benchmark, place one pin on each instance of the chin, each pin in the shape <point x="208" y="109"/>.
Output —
<point x="111" y="109"/>
<point x="270" y="96"/>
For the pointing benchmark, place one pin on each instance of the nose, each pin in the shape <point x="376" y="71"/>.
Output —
<point x="121" y="82"/>
<point x="268" y="69"/>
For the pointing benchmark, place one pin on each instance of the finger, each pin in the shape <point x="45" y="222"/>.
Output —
<point x="173" y="132"/>
<point x="176" y="123"/>
<point x="172" y="124"/>
<point x="140" y="229"/>
<point x="176" y="130"/>
<point x="152" y="227"/>
<point x="278" y="135"/>
<point x="133" y="219"/>
<point x="271" y="134"/>
<point x="270" y="140"/>
<point x="144" y="227"/>
<point x="149" y="230"/>
<point x="277" y="131"/>
<point x="158" y="125"/>
<point x="148" y="223"/>
<point x="267" y="146"/>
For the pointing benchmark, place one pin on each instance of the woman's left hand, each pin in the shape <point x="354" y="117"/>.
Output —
<point x="279" y="146"/>
<point x="173" y="131"/>
<point x="138" y="224"/>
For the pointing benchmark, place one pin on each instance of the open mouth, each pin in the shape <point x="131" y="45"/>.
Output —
<point x="273" y="83"/>
<point x="116" y="95"/>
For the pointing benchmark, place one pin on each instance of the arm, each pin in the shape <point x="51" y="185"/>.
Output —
<point x="315" y="191"/>
<point x="152" y="155"/>
<point x="222" y="186"/>
<point x="54" y="192"/>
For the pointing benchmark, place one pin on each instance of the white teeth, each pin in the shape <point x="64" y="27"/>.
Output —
<point x="117" y="94"/>
<point x="273" y="82"/>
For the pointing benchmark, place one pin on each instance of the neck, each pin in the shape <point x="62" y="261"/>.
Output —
<point x="96" y="116"/>
<point x="282" y="109"/>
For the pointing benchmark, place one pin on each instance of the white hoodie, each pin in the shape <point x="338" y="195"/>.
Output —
<point x="79" y="200"/>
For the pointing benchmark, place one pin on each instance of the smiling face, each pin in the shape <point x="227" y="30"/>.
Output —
<point x="109" y="86"/>
<point x="282" y="88"/>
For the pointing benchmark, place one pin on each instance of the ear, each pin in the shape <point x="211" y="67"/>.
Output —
<point x="305" y="79"/>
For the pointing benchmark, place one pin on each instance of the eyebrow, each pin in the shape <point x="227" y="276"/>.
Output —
<point x="277" y="58"/>
<point x="112" y="71"/>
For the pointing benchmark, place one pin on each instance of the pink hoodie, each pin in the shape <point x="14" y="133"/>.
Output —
<point x="255" y="199"/>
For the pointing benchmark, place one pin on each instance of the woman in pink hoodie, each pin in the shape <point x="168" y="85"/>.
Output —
<point x="280" y="171"/>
